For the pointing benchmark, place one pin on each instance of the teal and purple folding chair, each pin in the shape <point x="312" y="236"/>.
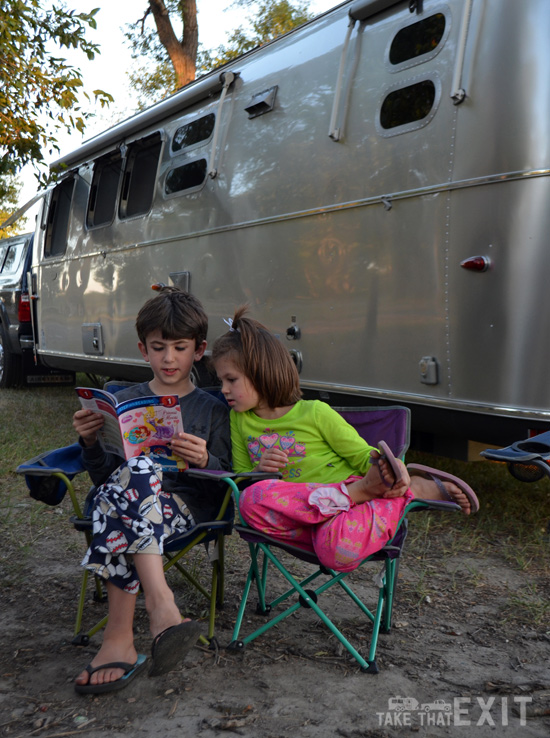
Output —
<point x="267" y="554"/>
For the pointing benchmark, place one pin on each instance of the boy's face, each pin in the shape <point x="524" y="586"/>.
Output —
<point x="171" y="360"/>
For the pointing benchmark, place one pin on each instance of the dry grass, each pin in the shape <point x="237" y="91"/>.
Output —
<point x="512" y="521"/>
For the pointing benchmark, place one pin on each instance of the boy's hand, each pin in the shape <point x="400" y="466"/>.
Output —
<point x="272" y="460"/>
<point x="87" y="423"/>
<point x="192" y="449"/>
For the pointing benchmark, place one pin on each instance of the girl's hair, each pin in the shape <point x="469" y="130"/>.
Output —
<point x="262" y="358"/>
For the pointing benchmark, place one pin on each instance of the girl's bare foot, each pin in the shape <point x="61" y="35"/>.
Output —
<point x="378" y="482"/>
<point x="431" y="484"/>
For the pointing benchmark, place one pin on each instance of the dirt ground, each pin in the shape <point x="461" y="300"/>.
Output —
<point x="454" y="639"/>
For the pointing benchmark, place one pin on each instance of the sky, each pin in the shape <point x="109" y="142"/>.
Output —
<point x="108" y="71"/>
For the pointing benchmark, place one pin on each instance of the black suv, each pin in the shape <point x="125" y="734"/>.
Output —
<point x="16" y="342"/>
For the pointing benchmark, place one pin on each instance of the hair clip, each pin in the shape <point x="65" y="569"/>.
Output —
<point x="229" y="322"/>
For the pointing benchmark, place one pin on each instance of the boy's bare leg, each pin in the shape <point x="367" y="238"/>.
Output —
<point x="118" y="639"/>
<point x="159" y="598"/>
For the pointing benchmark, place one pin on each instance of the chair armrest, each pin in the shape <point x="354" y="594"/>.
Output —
<point x="222" y="475"/>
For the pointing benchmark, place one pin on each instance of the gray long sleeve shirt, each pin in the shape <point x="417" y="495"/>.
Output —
<point x="204" y="416"/>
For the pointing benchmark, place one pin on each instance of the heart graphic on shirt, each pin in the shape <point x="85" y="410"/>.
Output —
<point x="287" y="442"/>
<point x="269" y="441"/>
<point x="254" y="448"/>
<point x="300" y="449"/>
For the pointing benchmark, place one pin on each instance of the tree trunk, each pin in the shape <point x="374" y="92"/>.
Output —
<point x="183" y="54"/>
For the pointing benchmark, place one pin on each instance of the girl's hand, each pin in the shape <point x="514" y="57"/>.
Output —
<point x="273" y="460"/>
<point x="87" y="423"/>
<point x="192" y="449"/>
<point x="399" y="488"/>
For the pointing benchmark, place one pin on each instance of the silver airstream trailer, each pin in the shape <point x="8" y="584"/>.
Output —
<point x="375" y="184"/>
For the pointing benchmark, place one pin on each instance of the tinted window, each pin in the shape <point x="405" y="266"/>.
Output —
<point x="194" y="132"/>
<point x="185" y="177"/>
<point x="58" y="219"/>
<point x="417" y="39"/>
<point x="140" y="176"/>
<point x="407" y="104"/>
<point x="103" y="194"/>
<point x="12" y="258"/>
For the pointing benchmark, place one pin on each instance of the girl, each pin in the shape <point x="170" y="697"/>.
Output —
<point x="338" y="496"/>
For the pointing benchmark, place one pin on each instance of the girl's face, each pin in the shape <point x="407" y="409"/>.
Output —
<point x="236" y="387"/>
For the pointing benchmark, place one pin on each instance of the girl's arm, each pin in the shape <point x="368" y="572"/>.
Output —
<point x="343" y="438"/>
<point x="241" y="457"/>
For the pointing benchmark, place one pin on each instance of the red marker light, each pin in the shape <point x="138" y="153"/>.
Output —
<point x="476" y="263"/>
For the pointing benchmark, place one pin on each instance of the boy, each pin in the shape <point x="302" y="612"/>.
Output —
<point x="134" y="511"/>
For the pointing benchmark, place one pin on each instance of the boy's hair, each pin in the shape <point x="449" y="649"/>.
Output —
<point x="262" y="358"/>
<point x="176" y="314"/>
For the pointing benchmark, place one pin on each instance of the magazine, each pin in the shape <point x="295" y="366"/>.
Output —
<point x="142" y="425"/>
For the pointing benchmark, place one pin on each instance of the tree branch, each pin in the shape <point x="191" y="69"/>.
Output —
<point x="182" y="54"/>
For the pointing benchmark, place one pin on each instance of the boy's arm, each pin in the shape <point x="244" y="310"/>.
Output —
<point x="219" y="442"/>
<point x="212" y="453"/>
<point x="97" y="462"/>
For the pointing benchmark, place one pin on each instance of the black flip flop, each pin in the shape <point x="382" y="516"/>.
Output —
<point x="172" y="645"/>
<point x="130" y="672"/>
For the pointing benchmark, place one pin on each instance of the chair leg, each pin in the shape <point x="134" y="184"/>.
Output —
<point x="78" y="638"/>
<point x="307" y="598"/>
<point x="392" y="571"/>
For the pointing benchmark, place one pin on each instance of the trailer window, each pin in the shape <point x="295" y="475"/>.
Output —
<point x="104" y="190"/>
<point x="193" y="132"/>
<point x="185" y="177"/>
<point x="57" y="227"/>
<point x="407" y="104"/>
<point x="417" y="39"/>
<point x="140" y="176"/>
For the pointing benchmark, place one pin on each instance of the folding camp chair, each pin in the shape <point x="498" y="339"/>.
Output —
<point x="49" y="477"/>
<point x="528" y="460"/>
<point x="390" y="424"/>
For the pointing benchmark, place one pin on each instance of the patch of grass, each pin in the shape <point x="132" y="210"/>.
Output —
<point x="511" y="523"/>
<point x="529" y="606"/>
<point x="33" y="420"/>
<point x="512" y="520"/>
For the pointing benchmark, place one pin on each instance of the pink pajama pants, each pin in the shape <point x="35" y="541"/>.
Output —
<point x="322" y="518"/>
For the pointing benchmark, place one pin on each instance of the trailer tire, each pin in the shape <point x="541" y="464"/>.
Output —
<point x="11" y="366"/>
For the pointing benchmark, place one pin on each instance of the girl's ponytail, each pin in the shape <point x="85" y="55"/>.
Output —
<point x="261" y="357"/>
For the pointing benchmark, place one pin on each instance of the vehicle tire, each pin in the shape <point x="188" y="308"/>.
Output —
<point x="11" y="367"/>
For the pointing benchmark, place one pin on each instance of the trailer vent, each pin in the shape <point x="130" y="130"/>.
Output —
<point x="262" y="102"/>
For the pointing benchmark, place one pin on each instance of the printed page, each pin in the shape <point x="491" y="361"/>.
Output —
<point x="148" y="425"/>
<point x="102" y="402"/>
